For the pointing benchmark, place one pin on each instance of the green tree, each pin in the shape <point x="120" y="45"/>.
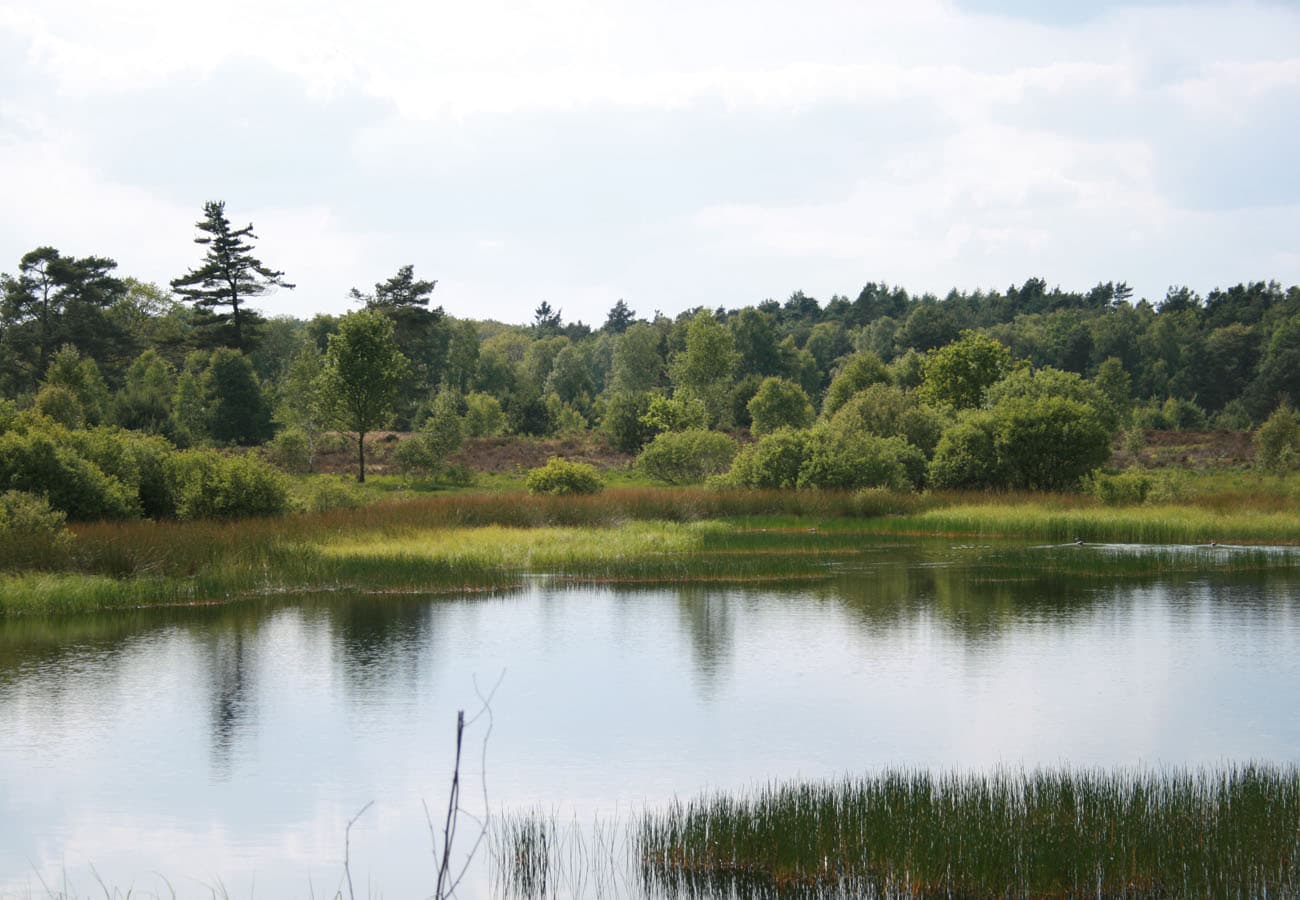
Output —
<point x="80" y="375"/>
<point x="362" y="372"/>
<point x="1277" y="440"/>
<point x="637" y="365"/>
<point x="229" y="277"/>
<point x="422" y="334"/>
<point x="620" y="317"/>
<point x="703" y="368"/>
<point x="145" y="401"/>
<point x="237" y="410"/>
<point x="959" y="373"/>
<point x="779" y="404"/>
<point x="857" y="372"/>
<point x="57" y="300"/>
<point x="441" y="435"/>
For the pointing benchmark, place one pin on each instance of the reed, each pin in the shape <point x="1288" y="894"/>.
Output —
<point x="1227" y="832"/>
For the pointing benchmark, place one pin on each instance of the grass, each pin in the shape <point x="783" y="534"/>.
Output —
<point x="449" y="541"/>
<point x="1228" y="832"/>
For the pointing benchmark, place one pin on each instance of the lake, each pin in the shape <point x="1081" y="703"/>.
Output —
<point x="226" y="748"/>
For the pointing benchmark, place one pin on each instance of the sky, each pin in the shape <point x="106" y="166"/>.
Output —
<point x="671" y="154"/>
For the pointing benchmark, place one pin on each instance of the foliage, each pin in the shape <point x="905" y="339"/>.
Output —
<point x="853" y="461"/>
<point x="959" y="373"/>
<point x="229" y="276"/>
<point x="30" y="531"/>
<point x="237" y="411"/>
<point x="624" y="421"/>
<point x="889" y="411"/>
<point x="779" y="404"/>
<point x="1034" y="384"/>
<point x="637" y="364"/>
<point x="679" y="413"/>
<point x="686" y="457"/>
<point x="702" y="369"/>
<point x="145" y="401"/>
<point x="483" y="416"/>
<point x="966" y="456"/>
<point x="80" y="375"/>
<point x="441" y="435"/>
<point x="208" y="485"/>
<point x="858" y="372"/>
<point x="38" y="462"/>
<point x="1277" y="441"/>
<point x="361" y="374"/>
<point x="773" y="462"/>
<point x="1121" y="489"/>
<point x="561" y="477"/>
<point x="59" y="404"/>
<point x="325" y="493"/>
<point x="291" y="451"/>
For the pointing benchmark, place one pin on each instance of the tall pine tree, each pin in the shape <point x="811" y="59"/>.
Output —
<point x="229" y="277"/>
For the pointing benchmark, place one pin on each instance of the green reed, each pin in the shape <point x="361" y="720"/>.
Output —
<point x="1220" y="833"/>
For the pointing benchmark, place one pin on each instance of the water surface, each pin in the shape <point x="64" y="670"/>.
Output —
<point x="228" y="746"/>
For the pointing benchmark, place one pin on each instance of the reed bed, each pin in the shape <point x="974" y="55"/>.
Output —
<point x="1231" y="832"/>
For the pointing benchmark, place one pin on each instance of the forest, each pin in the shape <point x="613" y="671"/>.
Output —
<point x="123" y="398"/>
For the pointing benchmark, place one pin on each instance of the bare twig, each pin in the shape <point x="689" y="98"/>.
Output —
<point x="347" y="847"/>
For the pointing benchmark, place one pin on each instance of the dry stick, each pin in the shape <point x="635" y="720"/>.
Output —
<point x="485" y="708"/>
<point x="347" y="847"/>
<point x="449" y="829"/>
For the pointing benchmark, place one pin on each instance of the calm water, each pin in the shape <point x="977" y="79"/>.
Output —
<point x="229" y="746"/>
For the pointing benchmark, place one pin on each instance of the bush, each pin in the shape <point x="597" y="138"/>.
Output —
<point x="327" y="492"/>
<point x="58" y="403"/>
<point x="207" y="485"/>
<point x="857" y="372"/>
<point x="1123" y="489"/>
<point x="40" y="463"/>
<point x="132" y="458"/>
<point x="1276" y="440"/>
<point x="624" y="421"/>
<point x="483" y="416"/>
<point x="31" y="533"/>
<point x="773" y="462"/>
<point x="559" y="476"/>
<point x="291" y="451"/>
<point x="888" y="411"/>
<point x="686" y="457"/>
<point x="680" y="413"/>
<point x="966" y="456"/>
<point x="779" y="403"/>
<point x="849" y="462"/>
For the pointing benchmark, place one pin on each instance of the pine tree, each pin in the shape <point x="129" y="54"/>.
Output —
<point x="229" y="277"/>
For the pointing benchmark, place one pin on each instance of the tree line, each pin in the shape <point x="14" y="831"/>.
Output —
<point x="195" y="364"/>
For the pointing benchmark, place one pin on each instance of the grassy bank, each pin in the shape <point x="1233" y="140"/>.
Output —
<point x="1215" y="833"/>
<point x="456" y="541"/>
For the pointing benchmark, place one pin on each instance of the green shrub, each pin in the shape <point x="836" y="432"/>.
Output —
<point x="326" y="492"/>
<point x="31" y="533"/>
<point x="779" y="403"/>
<point x="849" y="462"/>
<point x="773" y="462"/>
<point x="291" y="451"/>
<point x="559" y="476"/>
<point x="483" y="416"/>
<point x="59" y="404"/>
<point x="1234" y="416"/>
<point x="888" y="411"/>
<point x="686" y="457"/>
<point x="38" y="462"/>
<point x="1277" y="439"/>
<point x="1123" y="489"/>
<point x="208" y="485"/>
<point x="1050" y="443"/>
<point x="855" y="373"/>
<point x="680" y="413"/>
<point x="624" y="421"/>
<point x="966" y="456"/>
<point x="132" y="458"/>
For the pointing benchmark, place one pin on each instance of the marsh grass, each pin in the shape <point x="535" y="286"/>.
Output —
<point x="1228" y="832"/>
<point x="459" y="541"/>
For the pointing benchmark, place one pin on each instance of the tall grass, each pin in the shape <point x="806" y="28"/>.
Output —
<point x="1229" y="832"/>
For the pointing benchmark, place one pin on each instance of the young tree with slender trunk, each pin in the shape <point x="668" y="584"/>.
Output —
<point x="362" y="373"/>
<point x="229" y="277"/>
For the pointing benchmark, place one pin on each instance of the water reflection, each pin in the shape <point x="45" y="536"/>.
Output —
<point x="237" y="740"/>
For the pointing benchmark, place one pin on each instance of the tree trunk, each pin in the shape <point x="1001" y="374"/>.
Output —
<point x="361" y="457"/>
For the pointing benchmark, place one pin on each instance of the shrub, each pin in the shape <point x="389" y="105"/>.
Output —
<point x="132" y="458"/>
<point x="483" y="416"/>
<point x="327" y="492"/>
<point x="773" y="462"/>
<point x="291" y="451"/>
<point x="857" y="372"/>
<point x="686" y="457"/>
<point x="624" y="421"/>
<point x="1276" y="440"/>
<point x="1233" y="417"/>
<point x="849" y="462"/>
<point x="559" y="476"/>
<point x="1036" y="384"/>
<point x="680" y="413"/>
<point x="60" y="404"/>
<point x="31" y="533"/>
<point x="237" y="409"/>
<point x="888" y="411"/>
<point x="966" y="456"/>
<point x="1048" y="444"/>
<point x="1123" y="489"/>
<point x="209" y="485"/>
<point x="40" y="463"/>
<point x="779" y="403"/>
<point x="426" y="451"/>
<point x="959" y="373"/>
